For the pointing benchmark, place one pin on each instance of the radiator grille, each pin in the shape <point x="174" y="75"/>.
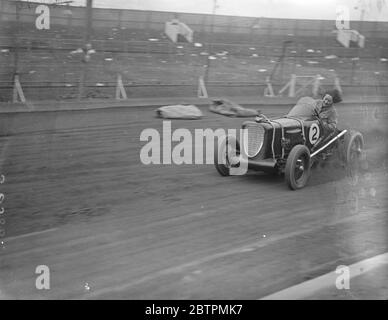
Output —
<point x="254" y="143"/>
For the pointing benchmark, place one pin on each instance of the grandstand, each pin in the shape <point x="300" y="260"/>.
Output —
<point x="243" y="51"/>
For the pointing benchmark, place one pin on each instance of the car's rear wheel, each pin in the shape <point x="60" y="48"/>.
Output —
<point x="224" y="153"/>
<point x="353" y="147"/>
<point x="298" y="167"/>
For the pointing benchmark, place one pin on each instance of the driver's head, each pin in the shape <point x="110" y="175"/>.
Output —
<point x="327" y="100"/>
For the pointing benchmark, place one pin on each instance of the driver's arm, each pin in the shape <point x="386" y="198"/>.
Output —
<point x="330" y="121"/>
<point x="318" y="107"/>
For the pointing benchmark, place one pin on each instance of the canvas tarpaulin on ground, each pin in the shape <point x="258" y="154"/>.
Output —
<point x="179" y="111"/>
<point x="231" y="109"/>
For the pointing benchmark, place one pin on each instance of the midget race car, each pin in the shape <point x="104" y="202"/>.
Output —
<point x="289" y="145"/>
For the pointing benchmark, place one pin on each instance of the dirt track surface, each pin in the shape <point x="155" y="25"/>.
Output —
<point x="78" y="199"/>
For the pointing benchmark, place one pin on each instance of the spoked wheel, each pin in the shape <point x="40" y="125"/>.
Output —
<point x="298" y="167"/>
<point x="354" y="144"/>
<point x="225" y="155"/>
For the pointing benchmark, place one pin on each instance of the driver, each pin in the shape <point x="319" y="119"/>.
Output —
<point x="327" y="113"/>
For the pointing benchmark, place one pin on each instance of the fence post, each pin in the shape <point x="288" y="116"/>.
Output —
<point x="17" y="91"/>
<point x="291" y="92"/>
<point x="268" y="91"/>
<point x="202" y="92"/>
<point x="120" y="90"/>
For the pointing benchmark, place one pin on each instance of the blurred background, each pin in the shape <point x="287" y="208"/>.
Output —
<point x="235" y="55"/>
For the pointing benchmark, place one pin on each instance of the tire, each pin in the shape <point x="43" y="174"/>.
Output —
<point x="298" y="167"/>
<point x="221" y="152"/>
<point x="353" y="146"/>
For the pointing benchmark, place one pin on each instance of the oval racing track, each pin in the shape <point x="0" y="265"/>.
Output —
<point x="78" y="199"/>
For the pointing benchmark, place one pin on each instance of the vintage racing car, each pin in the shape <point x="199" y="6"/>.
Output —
<point x="289" y="145"/>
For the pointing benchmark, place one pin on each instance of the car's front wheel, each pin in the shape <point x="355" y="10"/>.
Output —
<point x="297" y="170"/>
<point x="224" y="154"/>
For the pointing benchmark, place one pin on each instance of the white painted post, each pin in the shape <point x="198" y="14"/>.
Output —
<point x="120" y="90"/>
<point x="202" y="92"/>
<point x="287" y="85"/>
<point x="291" y="92"/>
<point x="18" y="91"/>
<point x="268" y="91"/>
